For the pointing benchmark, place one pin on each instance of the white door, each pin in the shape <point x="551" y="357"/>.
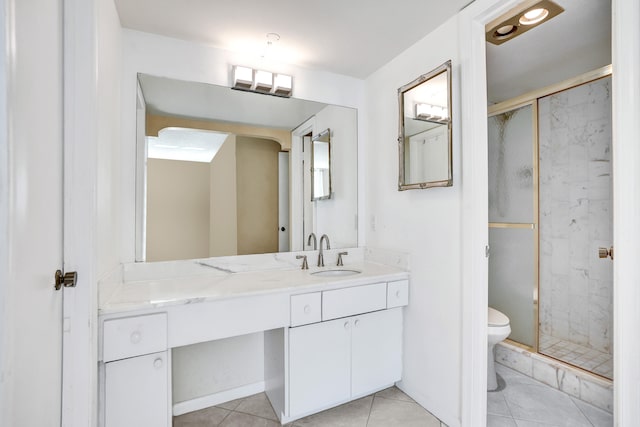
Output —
<point x="319" y="365"/>
<point x="376" y="351"/>
<point x="31" y="212"/>
<point x="283" y="201"/>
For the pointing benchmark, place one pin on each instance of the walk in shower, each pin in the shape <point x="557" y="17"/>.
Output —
<point x="550" y="210"/>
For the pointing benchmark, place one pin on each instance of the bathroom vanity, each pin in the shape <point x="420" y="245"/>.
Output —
<point x="327" y="339"/>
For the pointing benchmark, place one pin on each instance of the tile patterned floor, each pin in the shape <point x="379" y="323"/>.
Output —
<point x="387" y="408"/>
<point x="584" y="357"/>
<point x="525" y="402"/>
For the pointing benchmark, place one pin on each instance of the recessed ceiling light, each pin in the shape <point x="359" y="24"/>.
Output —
<point x="505" y="31"/>
<point x="534" y="16"/>
<point x="520" y="20"/>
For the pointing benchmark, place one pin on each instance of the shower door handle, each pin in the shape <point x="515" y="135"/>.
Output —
<point x="604" y="252"/>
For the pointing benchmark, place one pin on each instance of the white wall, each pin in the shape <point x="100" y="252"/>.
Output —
<point x="423" y="223"/>
<point x="109" y="178"/>
<point x="167" y="57"/>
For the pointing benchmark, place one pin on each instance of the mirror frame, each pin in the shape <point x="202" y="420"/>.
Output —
<point x="324" y="136"/>
<point x="402" y="185"/>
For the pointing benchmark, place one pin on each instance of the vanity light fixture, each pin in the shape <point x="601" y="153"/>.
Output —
<point x="260" y="81"/>
<point x="520" y="20"/>
<point x="242" y="78"/>
<point x="263" y="81"/>
<point x="432" y="113"/>
<point x="282" y="85"/>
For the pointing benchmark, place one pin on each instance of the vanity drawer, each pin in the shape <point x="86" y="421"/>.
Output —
<point x="355" y="300"/>
<point x="134" y="336"/>
<point x="397" y="293"/>
<point x="306" y="308"/>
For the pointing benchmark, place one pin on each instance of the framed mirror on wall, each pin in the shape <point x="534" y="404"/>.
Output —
<point x="424" y="137"/>
<point x="321" y="166"/>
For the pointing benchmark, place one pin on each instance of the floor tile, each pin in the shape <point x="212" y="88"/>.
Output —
<point x="352" y="414"/>
<point x="598" y="417"/>
<point x="394" y="393"/>
<point x="543" y="404"/>
<point x="387" y="412"/>
<point x="238" y="419"/>
<point x="232" y="404"/>
<point x="498" y="421"/>
<point x="257" y="405"/>
<point x="496" y="405"/>
<point x="204" y="418"/>
<point x="523" y="423"/>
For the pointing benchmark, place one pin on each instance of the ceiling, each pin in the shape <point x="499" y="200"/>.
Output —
<point x="574" y="42"/>
<point x="350" y="37"/>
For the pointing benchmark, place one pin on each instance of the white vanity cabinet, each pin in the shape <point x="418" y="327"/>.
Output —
<point x="136" y="369"/>
<point x="353" y="349"/>
<point x="343" y="359"/>
<point x="326" y="342"/>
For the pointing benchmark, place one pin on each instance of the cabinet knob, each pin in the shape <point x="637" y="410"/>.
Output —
<point x="307" y="309"/>
<point x="398" y="293"/>
<point x="135" y="337"/>
<point x="346" y="325"/>
<point x="356" y="323"/>
<point x="157" y="363"/>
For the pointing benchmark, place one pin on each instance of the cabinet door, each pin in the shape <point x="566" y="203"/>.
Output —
<point x="319" y="365"/>
<point x="136" y="391"/>
<point x="376" y="351"/>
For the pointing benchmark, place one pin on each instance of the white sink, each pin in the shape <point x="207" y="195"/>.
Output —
<point x="336" y="272"/>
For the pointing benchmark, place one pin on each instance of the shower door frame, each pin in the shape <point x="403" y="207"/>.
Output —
<point x="531" y="98"/>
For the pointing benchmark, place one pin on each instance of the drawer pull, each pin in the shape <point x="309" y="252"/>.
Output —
<point x="307" y="309"/>
<point x="157" y="363"/>
<point x="398" y="293"/>
<point x="135" y="337"/>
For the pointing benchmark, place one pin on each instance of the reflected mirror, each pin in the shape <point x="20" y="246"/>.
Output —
<point x="321" y="166"/>
<point x="222" y="172"/>
<point x="424" y="138"/>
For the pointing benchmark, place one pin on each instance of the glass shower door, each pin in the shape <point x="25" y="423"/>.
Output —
<point x="576" y="286"/>
<point x="512" y="220"/>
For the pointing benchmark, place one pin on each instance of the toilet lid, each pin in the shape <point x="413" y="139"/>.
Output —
<point x="496" y="318"/>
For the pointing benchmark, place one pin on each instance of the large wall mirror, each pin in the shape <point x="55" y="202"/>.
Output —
<point x="224" y="172"/>
<point x="424" y="139"/>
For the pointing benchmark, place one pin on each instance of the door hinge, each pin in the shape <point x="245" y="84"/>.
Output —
<point x="487" y="251"/>
<point x="68" y="279"/>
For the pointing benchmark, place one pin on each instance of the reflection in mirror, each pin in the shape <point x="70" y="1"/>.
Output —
<point x="321" y="166"/>
<point x="424" y="139"/>
<point x="222" y="172"/>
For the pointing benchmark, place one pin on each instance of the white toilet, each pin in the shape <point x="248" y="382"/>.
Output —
<point x="499" y="330"/>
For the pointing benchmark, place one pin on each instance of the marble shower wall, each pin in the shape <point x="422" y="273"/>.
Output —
<point x="576" y="287"/>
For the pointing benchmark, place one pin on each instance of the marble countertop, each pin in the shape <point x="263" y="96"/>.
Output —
<point x="216" y="284"/>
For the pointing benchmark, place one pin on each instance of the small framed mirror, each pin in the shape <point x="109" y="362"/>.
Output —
<point x="424" y="138"/>
<point x="321" y="166"/>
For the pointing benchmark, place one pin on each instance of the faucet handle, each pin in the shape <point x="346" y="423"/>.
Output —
<point x="340" y="258"/>
<point x="305" y="265"/>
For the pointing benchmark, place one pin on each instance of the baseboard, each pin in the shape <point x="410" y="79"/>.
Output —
<point x="198" y="403"/>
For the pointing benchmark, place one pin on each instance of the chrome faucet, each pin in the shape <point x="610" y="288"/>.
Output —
<point x="320" y="255"/>
<point x="315" y="242"/>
